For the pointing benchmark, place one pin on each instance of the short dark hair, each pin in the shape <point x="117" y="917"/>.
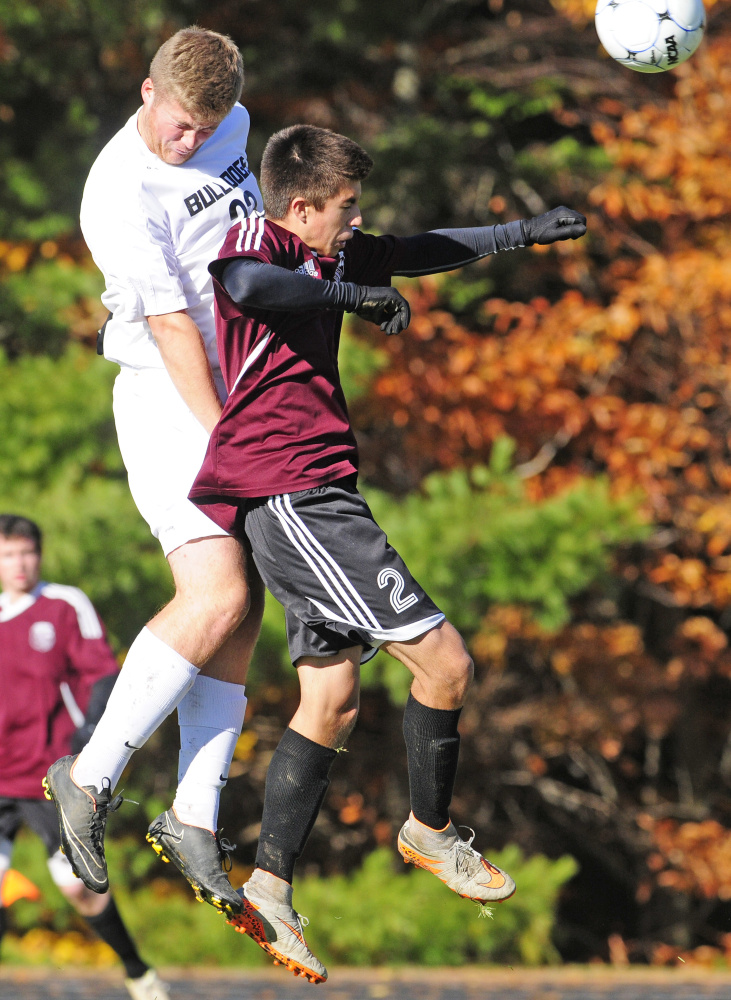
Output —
<point x="15" y="526"/>
<point x="308" y="162"/>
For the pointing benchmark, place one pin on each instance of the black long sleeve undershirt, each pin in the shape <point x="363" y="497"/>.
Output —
<point x="267" y="286"/>
<point x="447" y="249"/>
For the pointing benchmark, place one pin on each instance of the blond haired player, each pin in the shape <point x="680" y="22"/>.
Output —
<point x="156" y="207"/>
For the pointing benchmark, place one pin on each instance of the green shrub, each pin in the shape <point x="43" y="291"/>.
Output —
<point x="383" y="914"/>
<point x="380" y="917"/>
<point x="473" y="538"/>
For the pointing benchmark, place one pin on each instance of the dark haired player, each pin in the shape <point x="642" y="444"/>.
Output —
<point x="56" y="670"/>
<point x="281" y="467"/>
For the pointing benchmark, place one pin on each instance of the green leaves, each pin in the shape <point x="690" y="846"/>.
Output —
<point x="376" y="916"/>
<point x="60" y="465"/>
<point x="475" y="538"/>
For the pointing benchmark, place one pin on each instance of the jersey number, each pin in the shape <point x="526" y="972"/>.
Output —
<point x="399" y="603"/>
<point x="244" y="208"/>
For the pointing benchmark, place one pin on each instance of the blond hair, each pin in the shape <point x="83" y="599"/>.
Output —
<point x="202" y="70"/>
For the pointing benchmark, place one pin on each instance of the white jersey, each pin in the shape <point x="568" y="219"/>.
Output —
<point x="153" y="228"/>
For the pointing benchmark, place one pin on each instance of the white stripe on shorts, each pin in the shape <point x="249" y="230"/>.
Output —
<point x="322" y="564"/>
<point x="380" y="635"/>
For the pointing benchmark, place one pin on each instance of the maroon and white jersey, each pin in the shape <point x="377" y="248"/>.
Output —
<point x="285" y="425"/>
<point x="52" y="651"/>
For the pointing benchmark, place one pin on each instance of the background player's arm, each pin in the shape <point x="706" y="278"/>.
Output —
<point x="183" y="352"/>
<point x="98" y="699"/>
<point x="91" y="664"/>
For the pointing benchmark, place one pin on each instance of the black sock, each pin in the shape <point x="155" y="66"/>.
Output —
<point x="296" y="783"/>
<point x="432" y="751"/>
<point x="108" y="925"/>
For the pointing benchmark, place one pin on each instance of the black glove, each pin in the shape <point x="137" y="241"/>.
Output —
<point x="558" y="224"/>
<point x="384" y="306"/>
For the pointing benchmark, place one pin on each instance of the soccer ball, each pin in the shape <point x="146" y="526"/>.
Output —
<point x="650" y="36"/>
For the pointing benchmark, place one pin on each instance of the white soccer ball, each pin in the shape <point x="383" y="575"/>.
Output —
<point x="650" y="36"/>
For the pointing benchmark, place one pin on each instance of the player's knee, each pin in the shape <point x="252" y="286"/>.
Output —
<point x="83" y="900"/>
<point x="225" y="607"/>
<point x="333" y="720"/>
<point x="456" y="668"/>
<point x="346" y="721"/>
<point x="462" y="673"/>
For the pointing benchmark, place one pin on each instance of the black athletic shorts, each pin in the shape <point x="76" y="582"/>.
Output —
<point x="38" y="814"/>
<point x="324" y="558"/>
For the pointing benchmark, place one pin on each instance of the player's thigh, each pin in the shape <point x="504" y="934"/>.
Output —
<point x="329" y="687"/>
<point x="40" y="815"/>
<point x="441" y="665"/>
<point x="162" y="446"/>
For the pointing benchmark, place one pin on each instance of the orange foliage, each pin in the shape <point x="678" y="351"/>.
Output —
<point x="634" y="383"/>
<point x="581" y="11"/>
<point x="625" y="373"/>
<point x="691" y="857"/>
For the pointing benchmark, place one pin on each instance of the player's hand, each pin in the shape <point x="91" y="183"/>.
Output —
<point x="559" y="224"/>
<point x="386" y="307"/>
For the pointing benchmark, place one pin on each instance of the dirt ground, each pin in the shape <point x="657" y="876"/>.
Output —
<point x="570" y="983"/>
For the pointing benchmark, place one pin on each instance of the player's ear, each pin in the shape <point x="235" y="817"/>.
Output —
<point x="148" y="92"/>
<point x="300" y="208"/>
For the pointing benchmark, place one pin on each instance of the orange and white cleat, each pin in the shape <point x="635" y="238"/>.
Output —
<point x="455" y="862"/>
<point x="278" y="929"/>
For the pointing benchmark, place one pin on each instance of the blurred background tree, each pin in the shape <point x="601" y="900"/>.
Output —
<point x="549" y="444"/>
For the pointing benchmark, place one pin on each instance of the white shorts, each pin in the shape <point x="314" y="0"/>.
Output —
<point x="162" y="446"/>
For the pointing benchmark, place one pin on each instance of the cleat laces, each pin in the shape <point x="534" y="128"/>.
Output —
<point x="104" y="805"/>
<point x="468" y="862"/>
<point x="225" y="850"/>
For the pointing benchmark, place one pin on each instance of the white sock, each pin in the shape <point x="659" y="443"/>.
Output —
<point x="152" y="681"/>
<point x="211" y="716"/>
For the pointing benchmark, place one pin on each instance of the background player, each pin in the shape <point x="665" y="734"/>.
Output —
<point x="156" y="207"/>
<point x="54" y="661"/>
<point x="282" y="285"/>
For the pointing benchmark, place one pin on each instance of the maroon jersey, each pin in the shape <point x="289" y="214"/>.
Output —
<point x="285" y="425"/>
<point x="52" y="652"/>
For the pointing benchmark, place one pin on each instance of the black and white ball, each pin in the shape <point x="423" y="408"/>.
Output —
<point x="650" y="36"/>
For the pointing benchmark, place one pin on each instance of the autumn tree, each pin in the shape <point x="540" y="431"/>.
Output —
<point x="609" y="738"/>
<point x="597" y="620"/>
